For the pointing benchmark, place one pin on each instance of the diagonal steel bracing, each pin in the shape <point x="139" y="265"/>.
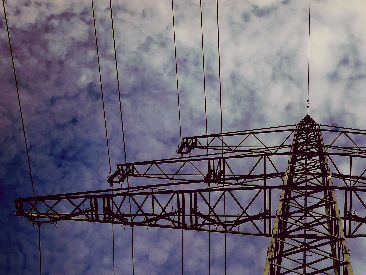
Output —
<point x="245" y="172"/>
<point x="308" y="236"/>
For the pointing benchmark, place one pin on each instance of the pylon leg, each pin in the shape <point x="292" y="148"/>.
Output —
<point x="308" y="236"/>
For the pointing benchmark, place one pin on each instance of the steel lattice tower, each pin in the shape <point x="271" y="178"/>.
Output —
<point x="234" y="189"/>
<point x="308" y="236"/>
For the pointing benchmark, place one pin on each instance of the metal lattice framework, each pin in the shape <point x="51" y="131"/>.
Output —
<point x="305" y="165"/>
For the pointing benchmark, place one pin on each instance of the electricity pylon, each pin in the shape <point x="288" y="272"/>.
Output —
<point x="234" y="186"/>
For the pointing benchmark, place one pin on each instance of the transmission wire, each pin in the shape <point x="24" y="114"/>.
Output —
<point x="179" y="115"/>
<point x="132" y="252"/>
<point x="205" y="99"/>
<point x="308" y="100"/>
<point x="39" y="248"/>
<point x="121" y="118"/>
<point x="113" y="245"/>
<point x="23" y="128"/>
<point x="176" y="72"/>
<point x="221" y="118"/>
<point x="219" y="58"/>
<point x="101" y="86"/>
<point x="104" y="116"/>
<point x="120" y="110"/>
<point x="203" y="69"/>
<point x="18" y="95"/>
<point x="118" y="83"/>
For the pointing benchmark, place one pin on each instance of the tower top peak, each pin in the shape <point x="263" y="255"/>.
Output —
<point x="307" y="122"/>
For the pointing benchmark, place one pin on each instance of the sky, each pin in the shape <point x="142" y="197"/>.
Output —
<point x="264" y="61"/>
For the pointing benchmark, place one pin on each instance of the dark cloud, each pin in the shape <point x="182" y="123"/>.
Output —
<point x="246" y="17"/>
<point x="261" y="12"/>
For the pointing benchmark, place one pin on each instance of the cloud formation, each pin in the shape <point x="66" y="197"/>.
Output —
<point x="264" y="55"/>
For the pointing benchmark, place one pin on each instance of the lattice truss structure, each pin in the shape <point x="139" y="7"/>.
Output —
<point x="301" y="185"/>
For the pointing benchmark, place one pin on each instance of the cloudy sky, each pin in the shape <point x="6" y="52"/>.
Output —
<point x="264" y="57"/>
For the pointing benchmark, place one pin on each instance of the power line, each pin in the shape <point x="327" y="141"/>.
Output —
<point x="221" y="119"/>
<point x="121" y="116"/>
<point x="18" y="95"/>
<point x="132" y="252"/>
<point x="40" y="248"/>
<point x="182" y="236"/>
<point x="179" y="115"/>
<point x="101" y="85"/>
<point x="308" y="100"/>
<point x="176" y="72"/>
<point x="104" y="114"/>
<point x="205" y="99"/>
<point x="23" y="127"/>
<point x="118" y="82"/>
<point x="219" y="58"/>
<point x="203" y="67"/>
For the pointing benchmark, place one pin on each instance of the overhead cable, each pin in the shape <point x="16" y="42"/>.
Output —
<point x="101" y="86"/>
<point x="308" y="100"/>
<point x="23" y="127"/>
<point x="18" y="95"/>
<point x="118" y="82"/>
<point x="206" y="124"/>
<point x="179" y="116"/>
<point x="203" y="67"/>
<point x="221" y="120"/>
<point x="219" y="59"/>
<point x="176" y="72"/>
<point x="40" y="248"/>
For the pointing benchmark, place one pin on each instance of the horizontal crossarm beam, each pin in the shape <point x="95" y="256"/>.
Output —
<point x="155" y="206"/>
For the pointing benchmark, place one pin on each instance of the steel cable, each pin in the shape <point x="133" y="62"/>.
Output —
<point x="176" y="72"/>
<point x="206" y="124"/>
<point x="308" y="100"/>
<point x="104" y="114"/>
<point x="203" y="69"/>
<point x="120" y="110"/>
<point x="132" y="252"/>
<point x="101" y="86"/>
<point x="221" y="118"/>
<point x="121" y="118"/>
<point x="118" y="83"/>
<point x="39" y="248"/>
<point x="23" y="128"/>
<point x="219" y="59"/>
<point x="18" y="95"/>
<point x="179" y="115"/>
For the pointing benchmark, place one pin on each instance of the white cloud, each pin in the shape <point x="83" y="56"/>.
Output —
<point x="264" y="79"/>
